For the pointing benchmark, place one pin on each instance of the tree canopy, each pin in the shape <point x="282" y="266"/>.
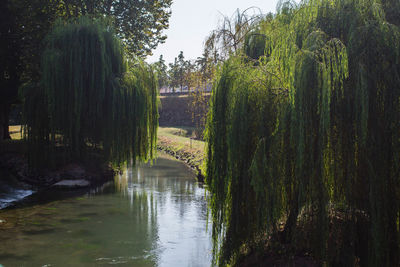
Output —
<point x="139" y="24"/>
<point x="10" y="68"/>
<point x="91" y="94"/>
<point x="25" y="23"/>
<point x="308" y="128"/>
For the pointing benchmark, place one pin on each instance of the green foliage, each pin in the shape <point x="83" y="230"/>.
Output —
<point x="139" y="24"/>
<point x="162" y="73"/>
<point x="179" y="72"/>
<point x="91" y="96"/>
<point x="198" y="107"/>
<point x="10" y="67"/>
<point x="25" y="23"/>
<point x="312" y="125"/>
<point x="254" y="45"/>
<point x="10" y="49"/>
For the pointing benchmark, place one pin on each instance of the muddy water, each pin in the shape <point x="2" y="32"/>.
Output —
<point x="148" y="216"/>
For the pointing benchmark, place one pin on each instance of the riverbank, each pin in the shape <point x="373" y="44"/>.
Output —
<point x="19" y="183"/>
<point x="178" y="142"/>
<point x="17" y="177"/>
<point x="17" y="165"/>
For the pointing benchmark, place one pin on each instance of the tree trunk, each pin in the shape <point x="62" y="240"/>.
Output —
<point x="7" y="109"/>
<point x="1" y="126"/>
<point x="290" y="225"/>
<point x="4" y="118"/>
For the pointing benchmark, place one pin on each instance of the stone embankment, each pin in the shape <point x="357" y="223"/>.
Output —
<point x="176" y="110"/>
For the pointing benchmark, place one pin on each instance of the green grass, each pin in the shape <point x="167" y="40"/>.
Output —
<point x="15" y="132"/>
<point x="176" y="140"/>
<point x="180" y="138"/>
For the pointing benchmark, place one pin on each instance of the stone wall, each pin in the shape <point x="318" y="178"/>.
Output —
<point x="176" y="111"/>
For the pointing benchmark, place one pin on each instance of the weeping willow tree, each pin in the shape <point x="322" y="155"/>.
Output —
<point x="311" y="128"/>
<point x="91" y="96"/>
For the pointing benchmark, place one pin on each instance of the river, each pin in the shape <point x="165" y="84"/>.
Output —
<point x="150" y="215"/>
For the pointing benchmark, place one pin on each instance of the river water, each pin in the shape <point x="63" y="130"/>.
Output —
<point x="148" y="216"/>
<point x="11" y="190"/>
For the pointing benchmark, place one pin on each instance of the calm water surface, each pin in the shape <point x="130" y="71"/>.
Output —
<point x="149" y="216"/>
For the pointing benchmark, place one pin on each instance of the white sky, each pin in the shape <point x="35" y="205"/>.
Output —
<point x="192" y="21"/>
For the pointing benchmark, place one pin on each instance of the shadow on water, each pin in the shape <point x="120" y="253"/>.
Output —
<point x="49" y="195"/>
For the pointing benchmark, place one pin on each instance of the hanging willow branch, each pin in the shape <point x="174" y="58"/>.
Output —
<point x="92" y="96"/>
<point x="332" y="141"/>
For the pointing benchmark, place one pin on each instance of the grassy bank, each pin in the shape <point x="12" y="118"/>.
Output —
<point x="177" y="142"/>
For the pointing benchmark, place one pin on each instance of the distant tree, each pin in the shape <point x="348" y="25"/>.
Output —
<point x="174" y="74"/>
<point x="162" y="71"/>
<point x="198" y="104"/>
<point x="181" y="69"/>
<point x="189" y="72"/>
<point x="177" y="72"/>
<point x="206" y="65"/>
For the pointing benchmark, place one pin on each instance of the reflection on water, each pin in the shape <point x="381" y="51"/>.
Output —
<point x="149" y="216"/>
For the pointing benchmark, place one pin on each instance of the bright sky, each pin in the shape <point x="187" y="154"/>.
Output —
<point x="193" y="20"/>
